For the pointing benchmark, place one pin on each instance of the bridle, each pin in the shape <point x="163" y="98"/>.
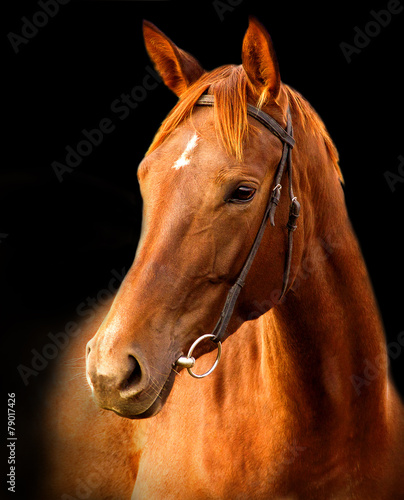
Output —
<point x="286" y="136"/>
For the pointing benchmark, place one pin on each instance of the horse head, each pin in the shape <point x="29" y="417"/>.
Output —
<point x="205" y="182"/>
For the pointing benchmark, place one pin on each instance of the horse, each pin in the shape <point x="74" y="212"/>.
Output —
<point x="281" y="403"/>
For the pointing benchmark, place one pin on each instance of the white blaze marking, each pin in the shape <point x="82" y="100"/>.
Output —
<point x="185" y="158"/>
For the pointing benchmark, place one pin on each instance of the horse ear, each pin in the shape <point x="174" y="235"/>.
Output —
<point x="259" y="61"/>
<point x="177" y="68"/>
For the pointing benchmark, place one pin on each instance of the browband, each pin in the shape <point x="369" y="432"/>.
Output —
<point x="265" y="119"/>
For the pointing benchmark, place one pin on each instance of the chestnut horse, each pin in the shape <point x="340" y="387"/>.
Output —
<point x="290" y="410"/>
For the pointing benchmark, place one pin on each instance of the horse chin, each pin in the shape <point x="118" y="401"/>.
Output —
<point x="130" y="408"/>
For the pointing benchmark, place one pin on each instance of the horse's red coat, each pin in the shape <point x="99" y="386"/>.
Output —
<point x="281" y="416"/>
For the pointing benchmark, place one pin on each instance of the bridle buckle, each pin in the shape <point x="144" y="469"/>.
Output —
<point x="276" y="194"/>
<point x="294" y="212"/>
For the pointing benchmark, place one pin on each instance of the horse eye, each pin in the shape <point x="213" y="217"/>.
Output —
<point x="242" y="194"/>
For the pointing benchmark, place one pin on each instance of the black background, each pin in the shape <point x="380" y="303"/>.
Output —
<point x="63" y="238"/>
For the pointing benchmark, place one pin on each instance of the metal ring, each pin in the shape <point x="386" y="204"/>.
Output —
<point x="190" y="361"/>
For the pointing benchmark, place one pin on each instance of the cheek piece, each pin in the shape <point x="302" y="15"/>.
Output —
<point x="285" y="163"/>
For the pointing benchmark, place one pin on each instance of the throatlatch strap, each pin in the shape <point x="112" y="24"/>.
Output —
<point x="286" y="136"/>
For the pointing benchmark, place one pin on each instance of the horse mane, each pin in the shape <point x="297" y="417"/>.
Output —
<point x="310" y="119"/>
<point x="228" y="84"/>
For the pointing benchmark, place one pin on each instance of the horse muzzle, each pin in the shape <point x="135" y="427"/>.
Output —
<point x="126" y="386"/>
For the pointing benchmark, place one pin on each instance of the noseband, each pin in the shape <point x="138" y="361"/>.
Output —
<point x="286" y="136"/>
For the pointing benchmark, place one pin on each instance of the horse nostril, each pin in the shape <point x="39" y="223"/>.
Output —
<point x="132" y="382"/>
<point x="88" y="349"/>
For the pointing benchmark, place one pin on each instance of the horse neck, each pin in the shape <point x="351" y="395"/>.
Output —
<point x="325" y="345"/>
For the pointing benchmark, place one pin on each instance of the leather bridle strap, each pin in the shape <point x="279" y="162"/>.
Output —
<point x="286" y="136"/>
<point x="265" y="119"/>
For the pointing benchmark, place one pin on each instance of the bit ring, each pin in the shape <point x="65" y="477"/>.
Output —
<point x="188" y="361"/>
